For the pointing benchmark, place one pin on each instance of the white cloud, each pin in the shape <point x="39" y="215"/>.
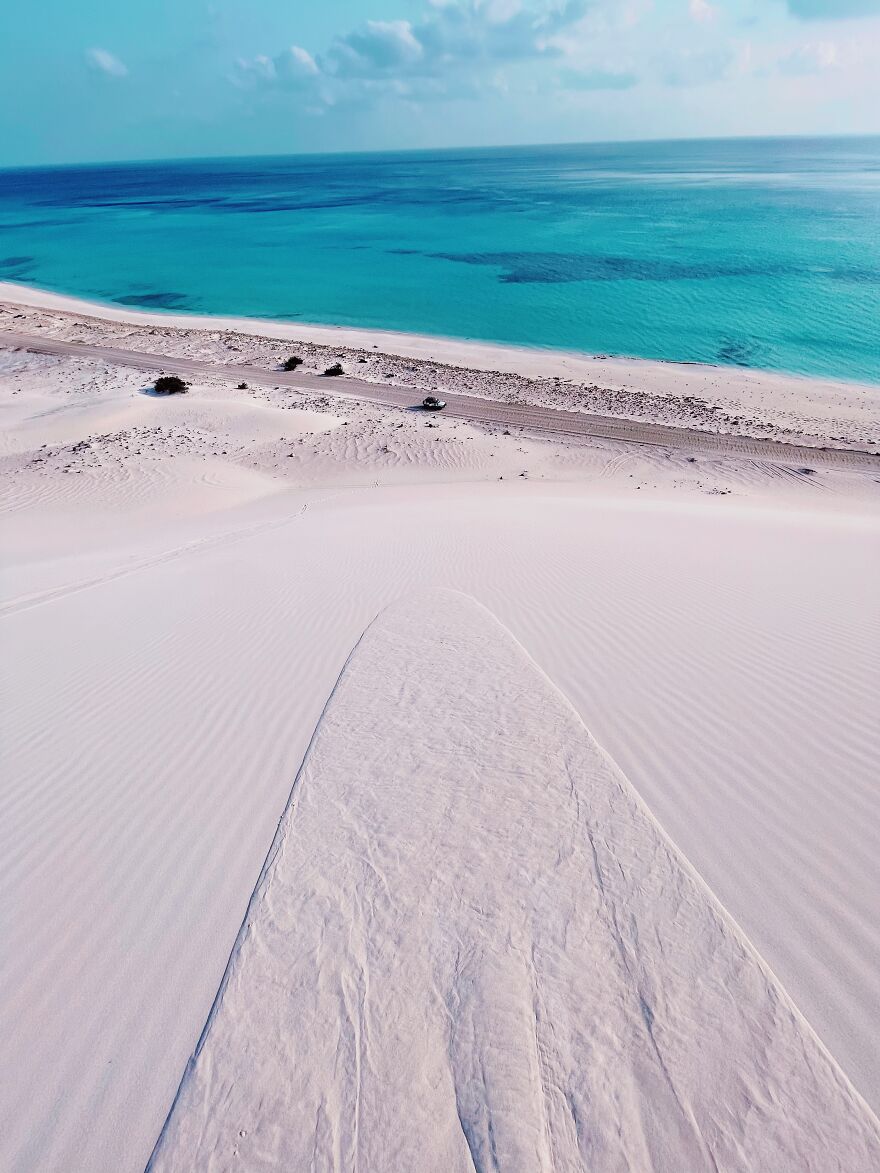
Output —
<point x="296" y="66"/>
<point x="378" y="47"/>
<point x="292" y="68"/>
<point x="463" y="32"/>
<point x="451" y="35"/>
<point x="452" y="51"/>
<point x="105" y="62"/>
<point x="702" y="11"/>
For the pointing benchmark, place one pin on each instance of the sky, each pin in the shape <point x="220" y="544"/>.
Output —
<point x="148" y="79"/>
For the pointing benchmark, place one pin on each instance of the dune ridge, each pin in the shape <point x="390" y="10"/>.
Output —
<point x="569" y="996"/>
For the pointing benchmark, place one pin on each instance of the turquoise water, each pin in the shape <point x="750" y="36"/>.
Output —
<point x="761" y="253"/>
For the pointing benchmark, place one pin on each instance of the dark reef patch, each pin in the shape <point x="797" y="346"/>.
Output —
<point x="564" y="268"/>
<point x="16" y="267"/>
<point x="155" y="300"/>
<point x="741" y="352"/>
<point x="43" y="222"/>
<point x="546" y="268"/>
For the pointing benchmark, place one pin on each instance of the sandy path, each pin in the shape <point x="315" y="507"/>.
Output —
<point x="724" y="653"/>
<point x="472" y="948"/>
<point x="476" y="410"/>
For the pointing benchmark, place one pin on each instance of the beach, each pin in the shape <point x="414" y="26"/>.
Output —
<point x="383" y="782"/>
<point x="728" y="399"/>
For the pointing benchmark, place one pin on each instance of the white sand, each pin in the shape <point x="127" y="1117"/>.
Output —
<point x="472" y="948"/>
<point x="178" y="599"/>
<point x="726" y="399"/>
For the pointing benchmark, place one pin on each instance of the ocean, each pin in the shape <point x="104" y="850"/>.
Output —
<point x="758" y="253"/>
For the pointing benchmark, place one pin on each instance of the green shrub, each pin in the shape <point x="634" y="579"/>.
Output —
<point x="169" y="385"/>
<point x="290" y="364"/>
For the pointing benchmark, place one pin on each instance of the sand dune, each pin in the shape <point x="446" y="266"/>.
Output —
<point x="153" y="723"/>
<point x="472" y="948"/>
<point x="178" y="600"/>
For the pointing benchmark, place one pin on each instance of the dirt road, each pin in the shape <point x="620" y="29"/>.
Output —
<point x="531" y="418"/>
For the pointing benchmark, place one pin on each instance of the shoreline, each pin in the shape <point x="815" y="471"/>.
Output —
<point x="730" y="401"/>
<point x="474" y="353"/>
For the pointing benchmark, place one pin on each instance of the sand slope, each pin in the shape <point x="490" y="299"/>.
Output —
<point x="181" y="584"/>
<point x="153" y="716"/>
<point x="472" y="948"/>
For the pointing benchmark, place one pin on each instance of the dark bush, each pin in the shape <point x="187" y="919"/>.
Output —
<point x="336" y="369"/>
<point x="242" y="386"/>
<point x="290" y="364"/>
<point x="169" y="385"/>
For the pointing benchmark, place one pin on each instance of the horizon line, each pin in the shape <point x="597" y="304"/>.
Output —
<point x="143" y="160"/>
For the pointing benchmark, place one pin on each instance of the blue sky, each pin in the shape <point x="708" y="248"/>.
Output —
<point x="162" y="78"/>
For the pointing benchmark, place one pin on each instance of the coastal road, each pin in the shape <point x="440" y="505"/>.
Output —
<point x="544" y="420"/>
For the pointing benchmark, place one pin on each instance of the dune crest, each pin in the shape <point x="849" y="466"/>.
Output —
<point x="472" y="948"/>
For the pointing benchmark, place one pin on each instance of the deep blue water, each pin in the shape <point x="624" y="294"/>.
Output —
<point x="760" y="253"/>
